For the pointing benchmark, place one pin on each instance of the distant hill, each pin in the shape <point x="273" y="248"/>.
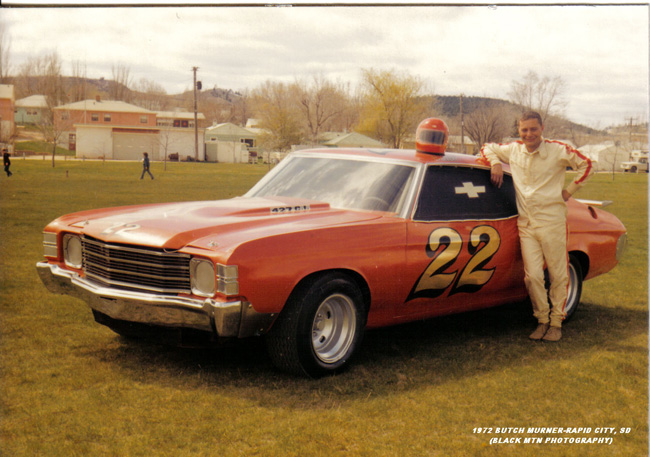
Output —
<point x="449" y="106"/>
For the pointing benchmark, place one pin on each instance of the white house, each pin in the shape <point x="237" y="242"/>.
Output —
<point x="606" y="156"/>
<point x="229" y="143"/>
<point x="456" y="142"/>
<point x="29" y="110"/>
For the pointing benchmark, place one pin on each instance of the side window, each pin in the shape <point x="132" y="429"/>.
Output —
<point x="464" y="193"/>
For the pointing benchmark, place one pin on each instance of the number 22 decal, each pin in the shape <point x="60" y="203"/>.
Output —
<point x="445" y="245"/>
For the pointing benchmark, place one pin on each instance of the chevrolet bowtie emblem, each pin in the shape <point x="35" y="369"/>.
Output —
<point x="470" y="189"/>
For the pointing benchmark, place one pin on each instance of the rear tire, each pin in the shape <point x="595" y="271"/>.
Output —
<point x="575" y="286"/>
<point x="320" y="327"/>
<point x="574" y="290"/>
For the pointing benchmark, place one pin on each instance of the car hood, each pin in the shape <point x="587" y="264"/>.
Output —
<point x="209" y="224"/>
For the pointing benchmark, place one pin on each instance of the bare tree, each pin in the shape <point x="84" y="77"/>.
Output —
<point x="150" y="95"/>
<point x="42" y="75"/>
<point x="274" y="107"/>
<point x="78" y="82"/>
<point x="543" y="94"/>
<point x="166" y="140"/>
<point x="488" y="123"/>
<point x="241" y="109"/>
<point x="119" y="87"/>
<point x="392" y="105"/>
<point x="5" y="53"/>
<point x="320" y="102"/>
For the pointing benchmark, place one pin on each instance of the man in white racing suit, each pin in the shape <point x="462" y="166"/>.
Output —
<point x="538" y="170"/>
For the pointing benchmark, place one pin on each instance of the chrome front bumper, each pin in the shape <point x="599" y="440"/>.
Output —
<point x="226" y="319"/>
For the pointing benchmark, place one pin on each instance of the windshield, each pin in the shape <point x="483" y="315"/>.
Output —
<point x="343" y="183"/>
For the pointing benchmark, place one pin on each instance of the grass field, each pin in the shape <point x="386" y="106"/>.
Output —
<point x="39" y="147"/>
<point x="71" y="387"/>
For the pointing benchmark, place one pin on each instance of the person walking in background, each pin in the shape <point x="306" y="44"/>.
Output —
<point x="538" y="167"/>
<point x="145" y="165"/>
<point x="6" y="161"/>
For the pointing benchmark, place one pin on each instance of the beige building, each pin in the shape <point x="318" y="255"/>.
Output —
<point x="116" y="130"/>
<point x="7" y="105"/>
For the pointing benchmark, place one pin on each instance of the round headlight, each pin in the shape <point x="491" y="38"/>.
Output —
<point x="72" y="251"/>
<point x="203" y="278"/>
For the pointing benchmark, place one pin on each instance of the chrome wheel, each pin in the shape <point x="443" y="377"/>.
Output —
<point x="575" y="286"/>
<point x="333" y="328"/>
<point x="320" y="327"/>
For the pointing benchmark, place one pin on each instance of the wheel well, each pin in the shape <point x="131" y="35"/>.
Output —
<point x="584" y="261"/>
<point x="353" y="276"/>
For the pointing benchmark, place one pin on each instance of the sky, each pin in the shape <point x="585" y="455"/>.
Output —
<point x="600" y="51"/>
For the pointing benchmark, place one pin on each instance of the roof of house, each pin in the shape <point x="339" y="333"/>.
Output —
<point x="33" y="101"/>
<point x="228" y="128"/>
<point x="105" y="105"/>
<point x="252" y="123"/>
<point x="178" y="115"/>
<point x="349" y="139"/>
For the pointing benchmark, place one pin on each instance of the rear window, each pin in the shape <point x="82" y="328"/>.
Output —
<point x="464" y="193"/>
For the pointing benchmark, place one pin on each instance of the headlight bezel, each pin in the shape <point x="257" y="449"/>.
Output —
<point x="72" y="251"/>
<point x="203" y="277"/>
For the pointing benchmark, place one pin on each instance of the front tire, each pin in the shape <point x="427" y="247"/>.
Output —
<point x="320" y="328"/>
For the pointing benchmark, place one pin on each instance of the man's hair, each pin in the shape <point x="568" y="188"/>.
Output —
<point x="526" y="115"/>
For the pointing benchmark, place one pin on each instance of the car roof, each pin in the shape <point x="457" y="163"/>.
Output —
<point x="411" y="155"/>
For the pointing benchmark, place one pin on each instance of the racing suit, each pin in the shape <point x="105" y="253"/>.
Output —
<point x="539" y="179"/>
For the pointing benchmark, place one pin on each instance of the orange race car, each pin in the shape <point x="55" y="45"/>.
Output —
<point x="329" y="243"/>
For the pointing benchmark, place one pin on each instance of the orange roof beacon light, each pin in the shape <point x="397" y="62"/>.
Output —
<point x="431" y="136"/>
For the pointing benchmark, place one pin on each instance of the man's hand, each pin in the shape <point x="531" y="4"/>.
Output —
<point x="496" y="175"/>
<point x="565" y="194"/>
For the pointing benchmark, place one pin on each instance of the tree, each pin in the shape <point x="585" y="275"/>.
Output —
<point x="166" y="140"/>
<point x="42" y="75"/>
<point x="5" y="53"/>
<point x="488" y="123"/>
<point x="392" y="105"/>
<point x="321" y="103"/>
<point x="78" y="82"/>
<point x="278" y="115"/>
<point x="542" y="94"/>
<point x="119" y="86"/>
<point x="150" y="95"/>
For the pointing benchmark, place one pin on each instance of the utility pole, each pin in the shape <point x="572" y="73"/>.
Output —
<point x="462" y="126"/>
<point x="196" y="126"/>
<point x="630" y="121"/>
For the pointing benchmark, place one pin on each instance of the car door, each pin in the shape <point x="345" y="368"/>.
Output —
<point x="462" y="243"/>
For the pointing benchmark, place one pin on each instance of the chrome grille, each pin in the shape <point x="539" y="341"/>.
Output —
<point x="135" y="268"/>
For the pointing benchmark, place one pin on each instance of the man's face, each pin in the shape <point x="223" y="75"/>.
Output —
<point x="530" y="132"/>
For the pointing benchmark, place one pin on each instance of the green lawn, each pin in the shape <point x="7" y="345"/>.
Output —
<point x="70" y="387"/>
<point x="39" y="147"/>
